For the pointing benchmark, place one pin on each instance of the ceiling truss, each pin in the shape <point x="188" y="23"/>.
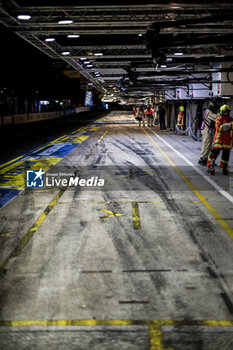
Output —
<point x="122" y="34"/>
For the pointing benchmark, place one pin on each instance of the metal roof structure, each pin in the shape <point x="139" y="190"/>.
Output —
<point x="127" y="47"/>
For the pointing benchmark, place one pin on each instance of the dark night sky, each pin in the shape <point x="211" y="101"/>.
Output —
<point x="24" y="69"/>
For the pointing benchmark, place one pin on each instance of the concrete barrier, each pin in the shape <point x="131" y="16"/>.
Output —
<point x="35" y="117"/>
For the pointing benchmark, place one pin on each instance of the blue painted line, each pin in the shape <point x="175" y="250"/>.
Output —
<point x="7" y="194"/>
<point x="62" y="152"/>
<point x="58" y="150"/>
<point x="20" y="158"/>
<point x="88" y="133"/>
<point x="12" y="162"/>
<point x="55" y="150"/>
<point x="38" y="150"/>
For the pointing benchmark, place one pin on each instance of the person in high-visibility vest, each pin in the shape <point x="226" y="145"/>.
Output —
<point x="149" y="116"/>
<point x="180" y="119"/>
<point x="134" y="111"/>
<point x="223" y="140"/>
<point x="207" y="131"/>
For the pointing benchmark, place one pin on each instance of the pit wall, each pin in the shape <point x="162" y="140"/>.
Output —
<point x="34" y="117"/>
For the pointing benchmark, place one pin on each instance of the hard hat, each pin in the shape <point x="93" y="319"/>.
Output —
<point x="224" y="108"/>
<point x="181" y="109"/>
<point x="211" y="105"/>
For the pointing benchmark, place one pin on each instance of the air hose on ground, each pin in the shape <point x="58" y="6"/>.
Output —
<point x="189" y="128"/>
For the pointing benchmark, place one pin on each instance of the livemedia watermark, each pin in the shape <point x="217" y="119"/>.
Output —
<point x="38" y="179"/>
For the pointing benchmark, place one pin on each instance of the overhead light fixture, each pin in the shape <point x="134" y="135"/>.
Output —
<point x="65" y="53"/>
<point x="175" y="7"/>
<point x="169" y="59"/>
<point x="24" y="17"/>
<point x="49" y="39"/>
<point x="98" y="54"/>
<point x="66" y="21"/>
<point x="86" y="62"/>
<point x="83" y="58"/>
<point x="140" y="34"/>
<point x="178" y="54"/>
<point x="163" y="66"/>
<point x="71" y="36"/>
<point x="89" y="65"/>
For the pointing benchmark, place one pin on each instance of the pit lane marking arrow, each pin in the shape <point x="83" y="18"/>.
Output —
<point x="111" y="213"/>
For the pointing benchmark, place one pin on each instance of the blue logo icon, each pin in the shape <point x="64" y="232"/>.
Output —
<point x="35" y="178"/>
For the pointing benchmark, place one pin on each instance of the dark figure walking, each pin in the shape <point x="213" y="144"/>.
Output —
<point x="161" y="113"/>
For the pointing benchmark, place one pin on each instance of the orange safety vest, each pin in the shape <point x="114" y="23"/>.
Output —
<point x="180" y="119"/>
<point x="223" y="139"/>
<point x="149" y="112"/>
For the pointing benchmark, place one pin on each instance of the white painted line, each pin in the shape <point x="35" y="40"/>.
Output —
<point x="211" y="182"/>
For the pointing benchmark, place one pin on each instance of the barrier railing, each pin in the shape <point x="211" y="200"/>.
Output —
<point x="34" y="117"/>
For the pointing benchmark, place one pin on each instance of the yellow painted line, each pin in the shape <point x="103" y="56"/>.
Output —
<point x="39" y="149"/>
<point x="208" y="206"/>
<point x="111" y="213"/>
<point x="136" y="216"/>
<point x="195" y="201"/>
<point x="154" y="326"/>
<point x="55" y="141"/>
<point x="150" y="323"/>
<point x="83" y="162"/>
<point x="127" y="202"/>
<point x="41" y="218"/>
<point x="47" y="189"/>
<point x="117" y="179"/>
<point x="65" y="138"/>
<point x="156" y="341"/>
<point x="4" y="234"/>
<point x="86" y="128"/>
<point x="80" y="139"/>
<point x="82" y="128"/>
<point x="31" y="231"/>
<point x="10" y="177"/>
<point x="94" y="128"/>
<point x="10" y="161"/>
<point x="59" y="139"/>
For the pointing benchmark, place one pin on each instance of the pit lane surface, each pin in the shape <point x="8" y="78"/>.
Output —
<point x="143" y="262"/>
